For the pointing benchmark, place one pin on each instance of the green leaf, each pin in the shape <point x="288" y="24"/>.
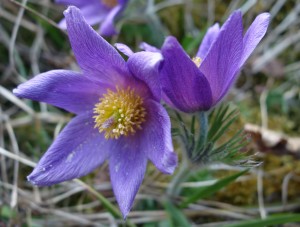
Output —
<point x="229" y="152"/>
<point x="7" y="212"/>
<point x="216" y="119"/>
<point x="176" y="216"/>
<point x="209" y="190"/>
<point x="269" y="221"/>
<point x="224" y="126"/>
<point x="221" y="122"/>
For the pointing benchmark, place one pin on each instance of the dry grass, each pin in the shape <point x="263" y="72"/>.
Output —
<point x="30" y="43"/>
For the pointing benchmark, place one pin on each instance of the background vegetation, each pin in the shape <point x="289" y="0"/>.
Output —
<point x="267" y="96"/>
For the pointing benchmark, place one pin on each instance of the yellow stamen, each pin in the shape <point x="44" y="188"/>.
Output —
<point x="109" y="3"/>
<point x="119" y="113"/>
<point x="197" y="61"/>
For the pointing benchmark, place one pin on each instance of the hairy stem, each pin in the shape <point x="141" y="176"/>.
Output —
<point x="181" y="175"/>
<point x="203" y="121"/>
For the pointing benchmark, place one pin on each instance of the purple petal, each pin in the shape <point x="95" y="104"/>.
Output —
<point x="209" y="38"/>
<point x="255" y="33"/>
<point x="62" y="88"/>
<point x="63" y="24"/>
<point x="127" y="167"/>
<point x="147" y="47"/>
<point x="123" y="2"/>
<point x="144" y="66"/>
<point x="97" y="58"/>
<point x="107" y="28"/>
<point x="77" y="3"/>
<point x="155" y="138"/>
<point x="92" y="11"/>
<point x="124" y="49"/>
<point x="222" y="62"/>
<point x="77" y="151"/>
<point x="182" y="82"/>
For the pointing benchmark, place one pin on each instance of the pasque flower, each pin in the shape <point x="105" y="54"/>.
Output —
<point x="118" y="114"/>
<point x="200" y="83"/>
<point x="96" y="12"/>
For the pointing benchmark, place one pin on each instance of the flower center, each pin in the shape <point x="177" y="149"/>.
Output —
<point x="197" y="61"/>
<point x="109" y="3"/>
<point x="119" y="113"/>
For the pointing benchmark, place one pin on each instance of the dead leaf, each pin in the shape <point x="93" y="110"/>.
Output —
<point x="267" y="140"/>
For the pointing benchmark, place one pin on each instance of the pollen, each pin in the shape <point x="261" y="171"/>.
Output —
<point x="119" y="113"/>
<point x="197" y="61"/>
<point x="109" y="3"/>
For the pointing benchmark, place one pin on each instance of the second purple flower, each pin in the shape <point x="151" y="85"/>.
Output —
<point x="198" y="84"/>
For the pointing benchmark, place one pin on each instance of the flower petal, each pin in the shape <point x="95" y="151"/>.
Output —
<point x="93" y="11"/>
<point x="222" y="62"/>
<point x="74" y="2"/>
<point x="147" y="47"/>
<point x="96" y="57"/>
<point x="62" y="88"/>
<point x="155" y="138"/>
<point x="63" y="24"/>
<point x="144" y="66"/>
<point x="182" y="82"/>
<point x="209" y="38"/>
<point x="78" y="150"/>
<point x="107" y="28"/>
<point x="127" y="167"/>
<point x="123" y="2"/>
<point x="255" y="33"/>
<point x="124" y="49"/>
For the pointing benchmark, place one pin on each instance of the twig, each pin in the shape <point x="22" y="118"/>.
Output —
<point x="17" y="158"/>
<point x="165" y="4"/>
<point x="15" y="33"/>
<point x="3" y="162"/>
<point x="197" y="184"/>
<point x="276" y="7"/>
<point x="248" y="5"/>
<point x="10" y="17"/>
<point x="204" y="210"/>
<point x="280" y="46"/>
<point x="11" y="97"/>
<point x="284" y="188"/>
<point x="15" y="148"/>
<point x="44" y="117"/>
<point x="211" y="4"/>
<point x="38" y="14"/>
<point x="65" y="215"/>
<point x="264" y="109"/>
<point x="263" y="103"/>
<point x="260" y="194"/>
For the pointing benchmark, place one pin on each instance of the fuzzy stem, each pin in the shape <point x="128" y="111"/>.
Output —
<point x="203" y="120"/>
<point x="184" y="170"/>
<point x="182" y="174"/>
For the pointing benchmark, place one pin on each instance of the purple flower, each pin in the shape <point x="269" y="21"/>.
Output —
<point x="200" y="83"/>
<point x="96" y="12"/>
<point x="119" y="116"/>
